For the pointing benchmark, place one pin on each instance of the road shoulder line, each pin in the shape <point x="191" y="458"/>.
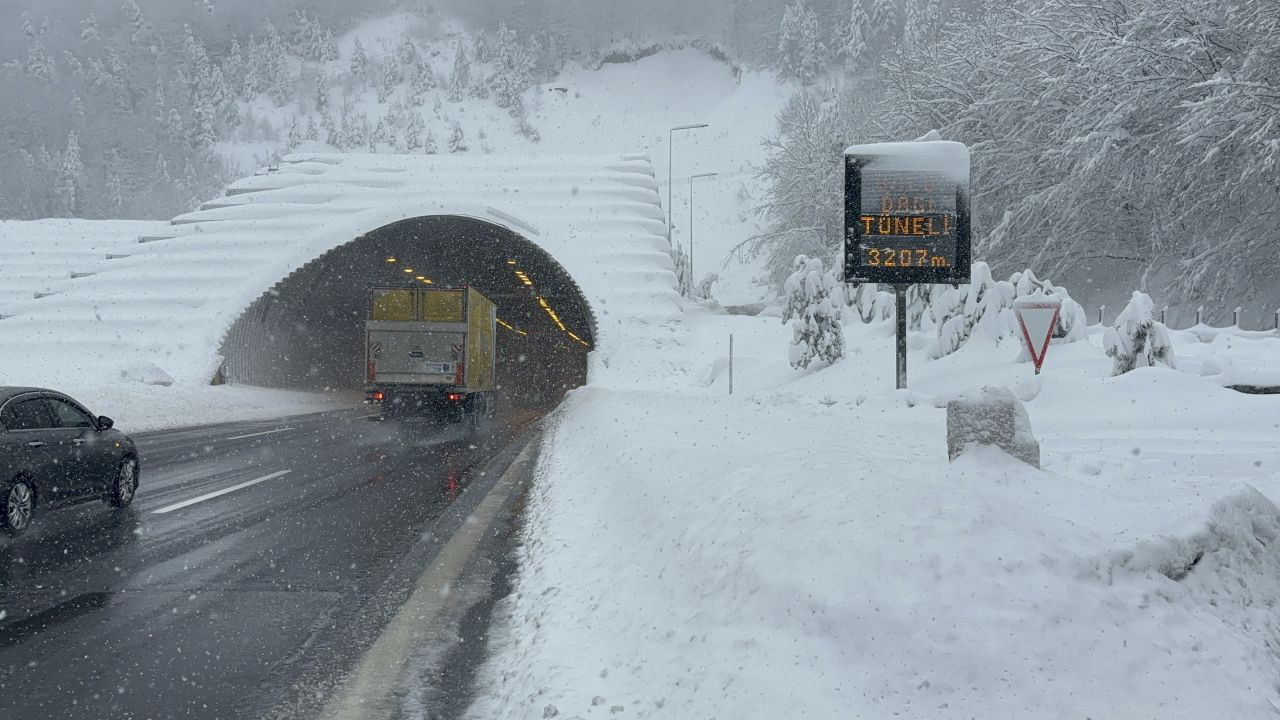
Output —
<point x="364" y="694"/>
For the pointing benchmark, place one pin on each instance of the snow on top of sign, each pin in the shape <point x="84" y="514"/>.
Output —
<point x="944" y="156"/>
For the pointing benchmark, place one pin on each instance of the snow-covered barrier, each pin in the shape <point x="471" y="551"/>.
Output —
<point x="991" y="417"/>
<point x="169" y="298"/>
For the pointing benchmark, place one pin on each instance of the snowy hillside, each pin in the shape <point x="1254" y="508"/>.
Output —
<point x="620" y="108"/>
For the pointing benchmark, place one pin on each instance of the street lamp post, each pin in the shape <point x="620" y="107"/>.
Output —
<point x="691" y="179"/>
<point x="671" y="135"/>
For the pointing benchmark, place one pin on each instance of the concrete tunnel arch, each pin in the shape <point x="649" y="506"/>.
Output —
<point x="306" y="332"/>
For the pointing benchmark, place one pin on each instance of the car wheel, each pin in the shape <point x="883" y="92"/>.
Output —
<point x="17" y="505"/>
<point x="125" y="484"/>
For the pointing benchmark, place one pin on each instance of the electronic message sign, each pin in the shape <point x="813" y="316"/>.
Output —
<point x="907" y="213"/>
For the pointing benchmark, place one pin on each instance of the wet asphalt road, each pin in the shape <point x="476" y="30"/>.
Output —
<point x="229" y="606"/>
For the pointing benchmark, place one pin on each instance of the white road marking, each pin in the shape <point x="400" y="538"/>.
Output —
<point x="216" y="493"/>
<point x="264" y="432"/>
<point x="364" y="692"/>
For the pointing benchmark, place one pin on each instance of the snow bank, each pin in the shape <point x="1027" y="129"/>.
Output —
<point x="804" y="549"/>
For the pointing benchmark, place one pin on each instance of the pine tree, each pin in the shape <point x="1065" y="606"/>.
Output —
<point x="460" y="80"/>
<point x="313" y="132"/>
<point x="457" y="141"/>
<point x="254" y="79"/>
<point x="1137" y="340"/>
<point x="295" y="134"/>
<point x="275" y="65"/>
<point x="513" y="65"/>
<point x="413" y="132"/>
<point x="429" y="143"/>
<point x="233" y="66"/>
<point x="421" y="82"/>
<point x="359" y="61"/>
<point x="70" y="177"/>
<point x="226" y="109"/>
<point x="89" y="29"/>
<point x="817" y="335"/>
<point x="137" y="23"/>
<point x="115" y="193"/>
<point x="39" y="62"/>
<point x="853" y="44"/>
<point x="321" y="94"/>
<point x="390" y="78"/>
<point x="801" y="54"/>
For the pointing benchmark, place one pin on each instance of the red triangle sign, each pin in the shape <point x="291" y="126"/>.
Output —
<point x="1037" y="316"/>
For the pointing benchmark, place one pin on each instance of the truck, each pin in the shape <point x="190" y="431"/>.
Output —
<point x="431" y="352"/>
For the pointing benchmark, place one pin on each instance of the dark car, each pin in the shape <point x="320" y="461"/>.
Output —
<point x="54" y="452"/>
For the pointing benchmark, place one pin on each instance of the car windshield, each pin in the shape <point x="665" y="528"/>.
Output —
<point x="529" y="359"/>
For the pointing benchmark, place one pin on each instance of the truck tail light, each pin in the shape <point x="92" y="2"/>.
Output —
<point x="455" y="397"/>
<point x="378" y="395"/>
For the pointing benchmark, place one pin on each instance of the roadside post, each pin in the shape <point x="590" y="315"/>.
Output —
<point x="1037" y="316"/>
<point x="906" y="220"/>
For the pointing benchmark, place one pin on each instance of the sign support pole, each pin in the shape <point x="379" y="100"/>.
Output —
<point x="900" y="301"/>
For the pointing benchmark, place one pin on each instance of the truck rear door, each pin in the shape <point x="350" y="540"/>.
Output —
<point x="415" y="355"/>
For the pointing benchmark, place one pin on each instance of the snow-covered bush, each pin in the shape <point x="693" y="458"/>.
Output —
<point x="1137" y="340"/>
<point x="814" y="308"/>
<point x="1071" y="320"/>
<point x="958" y="311"/>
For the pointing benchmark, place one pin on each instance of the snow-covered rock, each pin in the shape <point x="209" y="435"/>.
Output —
<point x="993" y="416"/>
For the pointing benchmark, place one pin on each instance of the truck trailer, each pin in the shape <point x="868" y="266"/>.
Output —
<point x="431" y="352"/>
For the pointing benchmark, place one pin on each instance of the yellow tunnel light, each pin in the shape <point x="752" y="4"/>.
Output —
<point x="508" y="326"/>
<point x="421" y="277"/>
<point x="409" y="270"/>
<point x="391" y="259"/>
<point x="511" y="262"/>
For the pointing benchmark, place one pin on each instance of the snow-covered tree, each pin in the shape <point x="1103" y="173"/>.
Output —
<point x="421" y="81"/>
<point x="313" y="132"/>
<point x="429" y="143"/>
<point x="817" y="335"/>
<point x="958" y="311"/>
<point x="853" y="42"/>
<point x="359" y="61"/>
<point x="89" y="29"/>
<point x="457" y="139"/>
<point x="460" y="79"/>
<point x="801" y="52"/>
<point x="413" y="132"/>
<point x="513" y="65"/>
<point x="70" y="178"/>
<point x="1137" y="339"/>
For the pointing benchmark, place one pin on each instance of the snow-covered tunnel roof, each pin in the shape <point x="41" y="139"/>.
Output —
<point x="169" y="299"/>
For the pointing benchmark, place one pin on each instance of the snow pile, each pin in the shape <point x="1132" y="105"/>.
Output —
<point x="804" y="548"/>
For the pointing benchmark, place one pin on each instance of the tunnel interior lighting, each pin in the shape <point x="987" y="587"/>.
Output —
<point x="409" y="270"/>
<point x="551" y="313"/>
<point x="391" y="259"/>
<point x="509" y="327"/>
<point x="511" y="262"/>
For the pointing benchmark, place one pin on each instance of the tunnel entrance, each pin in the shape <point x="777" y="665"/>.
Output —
<point x="307" y="332"/>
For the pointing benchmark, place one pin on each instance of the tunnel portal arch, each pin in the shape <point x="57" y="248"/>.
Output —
<point x="306" y="332"/>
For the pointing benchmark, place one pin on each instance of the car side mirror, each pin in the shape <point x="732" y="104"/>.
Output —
<point x="105" y="423"/>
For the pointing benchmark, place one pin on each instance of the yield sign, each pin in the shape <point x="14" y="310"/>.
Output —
<point x="1037" y="316"/>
